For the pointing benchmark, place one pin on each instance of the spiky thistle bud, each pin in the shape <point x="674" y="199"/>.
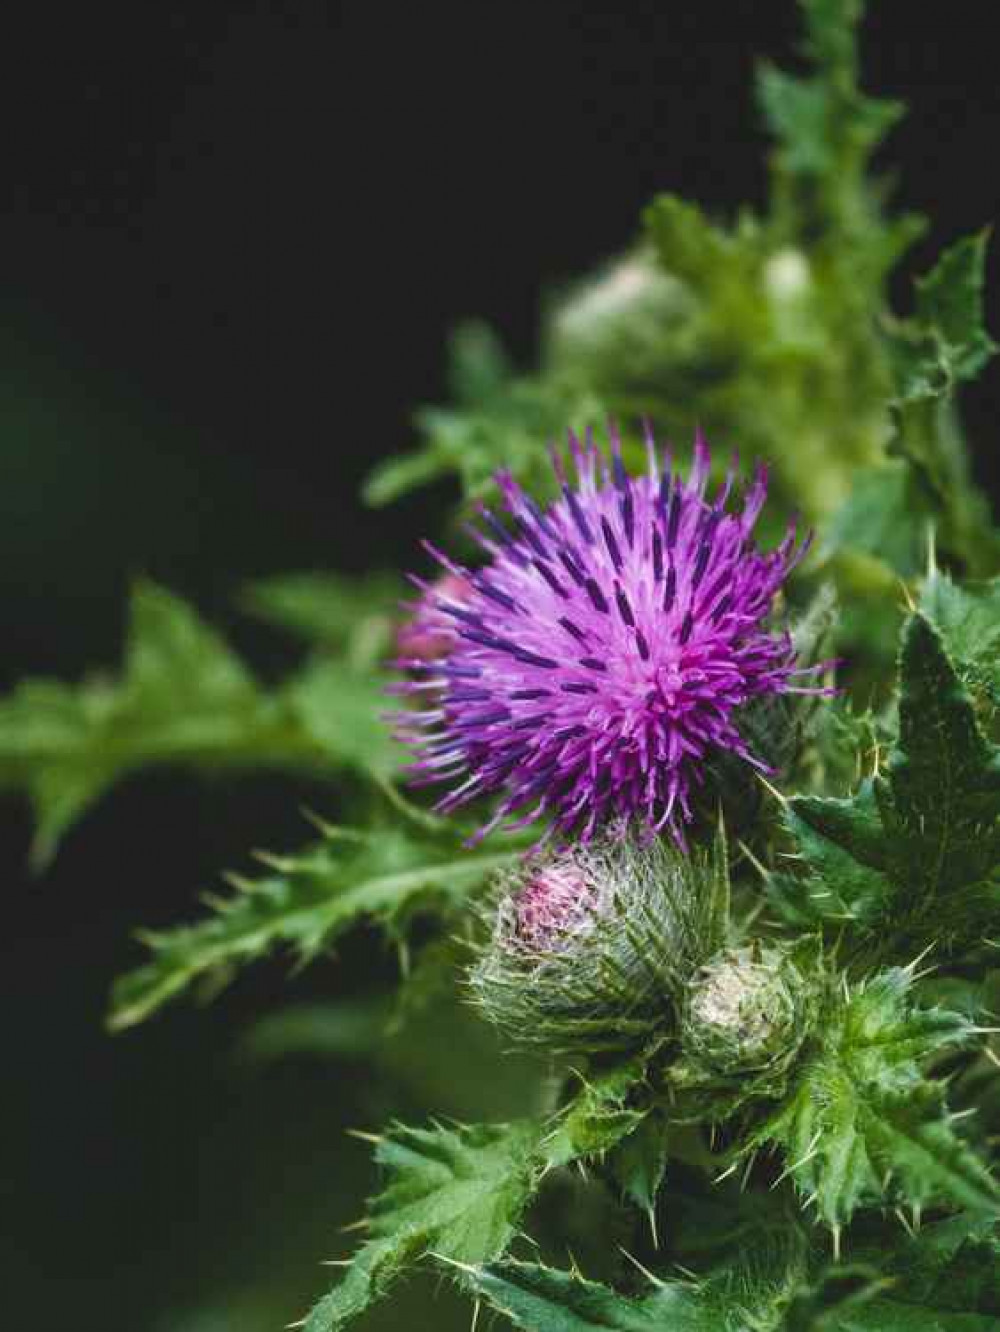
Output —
<point x="593" y="949"/>
<point x="745" y="1017"/>
<point x="743" y="1011"/>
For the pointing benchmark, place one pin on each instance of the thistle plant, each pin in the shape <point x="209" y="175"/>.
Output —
<point x="741" y="906"/>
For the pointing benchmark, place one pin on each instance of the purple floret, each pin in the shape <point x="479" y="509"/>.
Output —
<point x="605" y="650"/>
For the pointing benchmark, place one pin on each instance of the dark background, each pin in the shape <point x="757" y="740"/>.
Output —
<point x="232" y="241"/>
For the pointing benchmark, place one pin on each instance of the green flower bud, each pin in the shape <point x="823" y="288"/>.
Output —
<point x="593" y="949"/>
<point x="746" y="1013"/>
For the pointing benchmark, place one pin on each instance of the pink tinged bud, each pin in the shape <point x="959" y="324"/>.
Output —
<point x="430" y="633"/>
<point x="553" y="904"/>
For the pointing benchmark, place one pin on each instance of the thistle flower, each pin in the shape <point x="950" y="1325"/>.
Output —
<point x="605" y="652"/>
<point x="594" y="948"/>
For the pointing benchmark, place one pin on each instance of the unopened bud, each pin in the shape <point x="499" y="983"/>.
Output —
<point x="593" y="949"/>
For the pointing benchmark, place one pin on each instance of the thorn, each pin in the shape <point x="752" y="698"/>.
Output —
<point x="910" y="604"/>
<point x="810" y="1152"/>
<point x="475" y="1315"/>
<point x="336" y="1262"/>
<point x="901" y="1217"/>
<point x="773" y="789"/>
<point x="363" y="1224"/>
<point x="835" y="1232"/>
<point x="726" y="1173"/>
<point x="991" y="1056"/>
<point x="403" y="953"/>
<point x="761" y="869"/>
<point x="746" y="1173"/>
<point x="911" y="967"/>
<point x="655" y="1280"/>
<point x="450" y="1262"/>
<point x="364" y="1136"/>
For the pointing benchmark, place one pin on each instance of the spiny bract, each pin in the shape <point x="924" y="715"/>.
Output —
<point x="594" y="948"/>
<point x="605" y="651"/>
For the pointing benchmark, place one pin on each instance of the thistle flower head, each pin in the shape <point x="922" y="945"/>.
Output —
<point x="605" y="652"/>
<point x="593" y="948"/>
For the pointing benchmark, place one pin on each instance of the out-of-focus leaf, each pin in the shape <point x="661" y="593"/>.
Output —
<point x="183" y="698"/>
<point x="329" y="610"/>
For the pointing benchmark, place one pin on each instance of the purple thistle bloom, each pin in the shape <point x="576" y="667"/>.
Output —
<point x="605" y="651"/>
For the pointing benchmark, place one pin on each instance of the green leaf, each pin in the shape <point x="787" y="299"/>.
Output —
<point x="183" y="698"/>
<point x="909" y="1134"/>
<point x="639" y="1164"/>
<point x="943" y="344"/>
<point x="341" y="708"/>
<point x="968" y="620"/>
<point x="329" y="610"/>
<point x="603" y="1112"/>
<point x="949" y="303"/>
<point x="843" y="844"/>
<point x="543" y="1299"/>
<point x="886" y="516"/>
<point x="383" y="874"/>
<point x="749" y="1291"/>
<point x="458" y="1192"/>
<point x="941" y="798"/>
<point x="928" y="828"/>
<point x="862" y="1124"/>
<point x="500" y="421"/>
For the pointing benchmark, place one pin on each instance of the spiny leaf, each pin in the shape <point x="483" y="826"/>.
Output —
<point x="863" y="1124"/>
<point x="941" y="798"/>
<point x="843" y="844"/>
<point x="750" y="1291"/>
<point x="639" y="1163"/>
<point x="458" y="1192"/>
<point x="500" y="421"/>
<point x="603" y="1112"/>
<point x="943" y="344"/>
<point x="925" y="829"/>
<point x="544" y="1299"/>
<point x="968" y="620"/>
<point x="311" y="898"/>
